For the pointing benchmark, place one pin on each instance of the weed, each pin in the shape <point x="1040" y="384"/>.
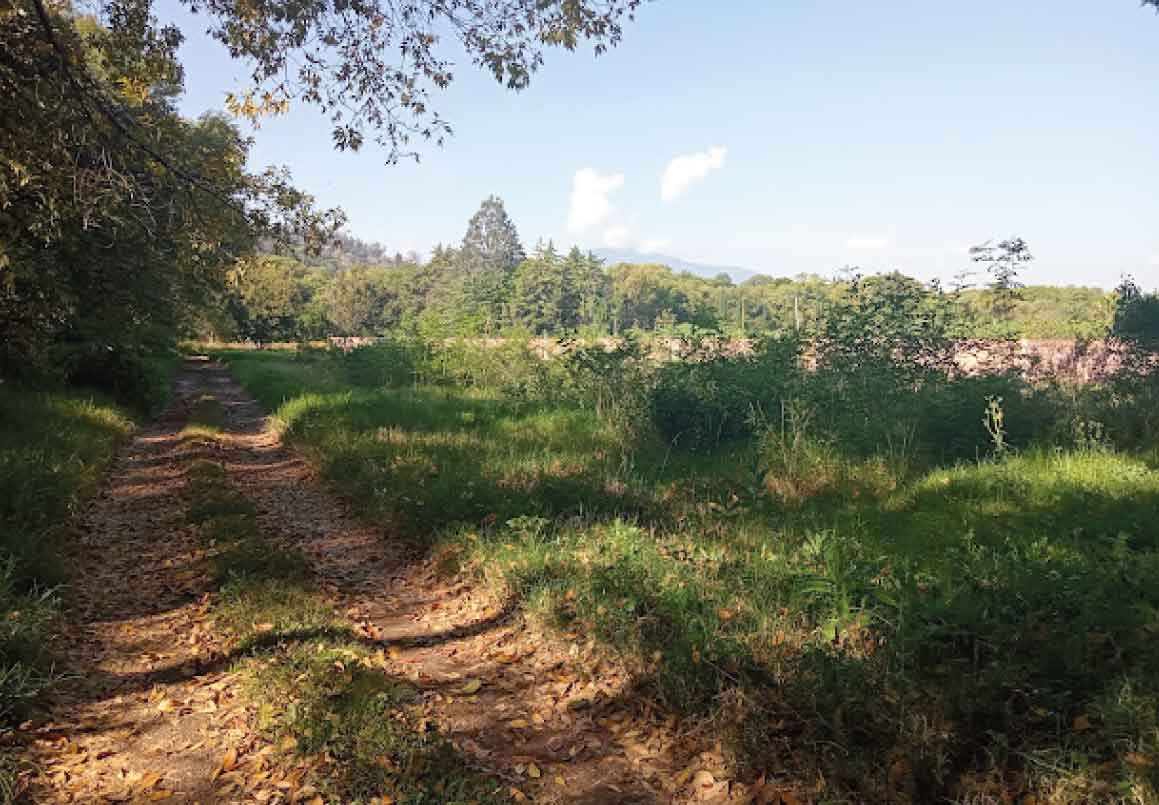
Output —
<point x="332" y="700"/>
<point x="994" y="421"/>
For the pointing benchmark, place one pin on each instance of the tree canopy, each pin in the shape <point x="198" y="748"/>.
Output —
<point x="487" y="286"/>
<point x="118" y="217"/>
<point x="120" y="220"/>
<point x="373" y="65"/>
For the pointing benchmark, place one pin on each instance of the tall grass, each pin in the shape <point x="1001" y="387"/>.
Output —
<point x="53" y="450"/>
<point x="54" y="447"/>
<point x="865" y="596"/>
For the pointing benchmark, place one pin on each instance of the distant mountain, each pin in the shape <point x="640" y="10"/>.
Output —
<point x="613" y="256"/>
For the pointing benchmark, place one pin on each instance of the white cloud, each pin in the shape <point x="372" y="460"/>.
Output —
<point x="867" y="243"/>
<point x="1155" y="260"/>
<point x="653" y="245"/>
<point x="589" y="202"/>
<point x="687" y="169"/>
<point x="617" y="237"/>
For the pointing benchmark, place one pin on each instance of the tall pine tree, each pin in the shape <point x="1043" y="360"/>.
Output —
<point x="487" y="260"/>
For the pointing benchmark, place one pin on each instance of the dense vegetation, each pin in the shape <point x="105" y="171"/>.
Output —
<point x="54" y="447"/>
<point x="872" y="573"/>
<point x="487" y="286"/>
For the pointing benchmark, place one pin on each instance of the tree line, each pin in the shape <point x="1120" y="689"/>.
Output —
<point x="489" y="284"/>
<point x="123" y="224"/>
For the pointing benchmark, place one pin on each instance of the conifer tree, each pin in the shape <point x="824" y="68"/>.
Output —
<point x="486" y="262"/>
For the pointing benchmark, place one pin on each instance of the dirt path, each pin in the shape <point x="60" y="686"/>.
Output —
<point x="151" y="709"/>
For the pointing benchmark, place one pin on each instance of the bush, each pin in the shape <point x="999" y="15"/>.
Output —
<point x="614" y="383"/>
<point x="699" y="404"/>
<point x="950" y="427"/>
<point x="1137" y="316"/>
<point x="390" y="363"/>
<point x="135" y="376"/>
<point x="508" y="365"/>
<point x="1128" y="408"/>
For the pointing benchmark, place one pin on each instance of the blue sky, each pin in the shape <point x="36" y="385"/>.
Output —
<point x="806" y="136"/>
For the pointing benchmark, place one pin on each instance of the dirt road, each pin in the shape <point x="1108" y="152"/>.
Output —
<point x="152" y="711"/>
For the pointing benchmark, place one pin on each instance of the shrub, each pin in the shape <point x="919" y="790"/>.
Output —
<point x="1129" y="409"/>
<point x="614" y="382"/>
<point x="950" y="425"/>
<point x="1137" y="315"/>
<point x="390" y="363"/>
<point x="699" y="404"/>
<point x="509" y="366"/>
<point x="136" y="376"/>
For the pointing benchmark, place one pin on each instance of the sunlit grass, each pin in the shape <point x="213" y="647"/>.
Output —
<point x="54" y="447"/>
<point x="988" y="621"/>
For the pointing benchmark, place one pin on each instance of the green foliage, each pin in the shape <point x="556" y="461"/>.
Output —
<point x="1003" y="262"/>
<point x="376" y="80"/>
<point x="1043" y="312"/>
<point x="704" y="401"/>
<point x="137" y="375"/>
<point x="994" y="421"/>
<point x="795" y="462"/>
<point x="832" y="581"/>
<point x="887" y="321"/>
<point x="390" y="363"/>
<point x="118" y="217"/>
<point x="25" y="668"/>
<point x="478" y="290"/>
<point x="554" y="294"/>
<point x="612" y="381"/>
<point x="54" y="447"/>
<point x="1137" y="316"/>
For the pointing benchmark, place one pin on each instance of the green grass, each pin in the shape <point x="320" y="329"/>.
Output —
<point x="54" y="447"/>
<point x="206" y="416"/>
<point x="321" y="693"/>
<point x="984" y="629"/>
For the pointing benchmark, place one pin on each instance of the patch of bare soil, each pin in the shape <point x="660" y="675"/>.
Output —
<point x="150" y="712"/>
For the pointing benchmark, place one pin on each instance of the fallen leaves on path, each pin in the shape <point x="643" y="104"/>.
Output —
<point x="153" y="715"/>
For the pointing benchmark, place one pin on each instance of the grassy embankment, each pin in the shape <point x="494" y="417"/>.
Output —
<point x="988" y="628"/>
<point x="54" y="447"/>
